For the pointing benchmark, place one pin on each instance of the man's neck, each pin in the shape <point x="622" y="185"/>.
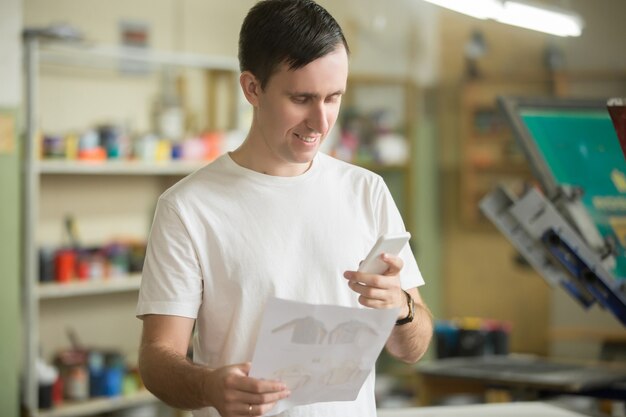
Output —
<point x="248" y="157"/>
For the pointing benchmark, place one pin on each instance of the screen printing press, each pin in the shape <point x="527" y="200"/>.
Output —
<point x="572" y="227"/>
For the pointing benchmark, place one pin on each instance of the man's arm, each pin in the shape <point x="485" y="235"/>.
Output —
<point x="168" y="374"/>
<point x="409" y="341"/>
<point x="164" y="366"/>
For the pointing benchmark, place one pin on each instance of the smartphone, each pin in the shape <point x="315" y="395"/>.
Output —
<point x="391" y="243"/>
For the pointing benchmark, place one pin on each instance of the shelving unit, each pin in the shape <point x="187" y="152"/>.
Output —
<point x="489" y="154"/>
<point x="90" y="185"/>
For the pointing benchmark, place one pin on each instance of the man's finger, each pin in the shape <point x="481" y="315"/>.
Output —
<point x="259" y="386"/>
<point x="266" y="398"/>
<point x="395" y="264"/>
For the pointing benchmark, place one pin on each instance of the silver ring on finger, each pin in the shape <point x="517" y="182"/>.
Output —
<point x="250" y="410"/>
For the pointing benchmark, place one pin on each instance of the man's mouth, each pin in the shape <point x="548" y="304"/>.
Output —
<point x="307" y="139"/>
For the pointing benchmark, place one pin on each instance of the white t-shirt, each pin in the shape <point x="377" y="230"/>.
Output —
<point x="226" y="238"/>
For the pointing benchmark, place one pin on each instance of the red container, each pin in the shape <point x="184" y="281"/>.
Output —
<point x="82" y="268"/>
<point x="65" y="265"/>
<point x="57" y="391"/>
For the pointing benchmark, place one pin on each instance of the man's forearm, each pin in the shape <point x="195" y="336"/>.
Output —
<point x="410" y="341"/>
<point x="173" y="378"/>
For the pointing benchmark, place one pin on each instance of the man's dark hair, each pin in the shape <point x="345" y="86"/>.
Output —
<point x="295" y="32"/>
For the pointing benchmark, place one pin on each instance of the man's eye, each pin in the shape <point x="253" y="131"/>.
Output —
<point x="299" y="100"/>
<point x="333" y="99"/>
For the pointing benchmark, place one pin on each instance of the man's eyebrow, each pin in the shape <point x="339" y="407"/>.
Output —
<point x="314" y="95"/>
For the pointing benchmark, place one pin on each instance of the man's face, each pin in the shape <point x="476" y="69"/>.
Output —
<point x="295" y="112"/>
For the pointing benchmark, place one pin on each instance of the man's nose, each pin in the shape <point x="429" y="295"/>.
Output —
<point x="317" y="120"/>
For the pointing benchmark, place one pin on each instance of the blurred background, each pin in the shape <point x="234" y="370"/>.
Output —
<point x="103" y="105"/>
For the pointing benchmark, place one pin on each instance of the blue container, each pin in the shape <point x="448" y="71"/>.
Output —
<point x="113" y="381"/>
<point x="96" y="374"/>
<point x="446" y="338"/>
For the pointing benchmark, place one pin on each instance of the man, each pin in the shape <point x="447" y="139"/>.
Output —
<point x="272" y="218"/>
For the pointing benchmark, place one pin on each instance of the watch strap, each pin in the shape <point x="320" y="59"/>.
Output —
<point x="411" y="305"/>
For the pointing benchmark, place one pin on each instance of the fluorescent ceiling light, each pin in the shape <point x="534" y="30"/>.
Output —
<point x="481" y="9"/>
<point x="518" y="13"/>
<point x="540" y="19"/>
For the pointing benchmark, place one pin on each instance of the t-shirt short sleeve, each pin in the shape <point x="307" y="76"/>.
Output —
<point x="171" y="282"/>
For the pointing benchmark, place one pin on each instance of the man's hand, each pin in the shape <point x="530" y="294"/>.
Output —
<point x="408" y="342"/>
<point x="380" y="291"/>
<point x="174" y="379"/>
<point x="233" y="393"/>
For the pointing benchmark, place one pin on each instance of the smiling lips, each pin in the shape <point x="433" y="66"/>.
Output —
<point x="307" y="139"/>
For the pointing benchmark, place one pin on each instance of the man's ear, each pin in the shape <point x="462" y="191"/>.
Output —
<point x="250" y="86"/>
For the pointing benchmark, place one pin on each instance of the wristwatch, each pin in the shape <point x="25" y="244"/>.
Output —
<point x="411" y="305"/>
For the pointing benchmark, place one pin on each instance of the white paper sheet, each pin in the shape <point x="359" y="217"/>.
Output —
<point x="321" y="352"/>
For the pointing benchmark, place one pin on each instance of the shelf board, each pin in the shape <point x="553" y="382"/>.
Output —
<point x="99" y="405"/>
<point x="65" y="167"/>
<point x="91" y="56"/>
<point x="81" y="288"/>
